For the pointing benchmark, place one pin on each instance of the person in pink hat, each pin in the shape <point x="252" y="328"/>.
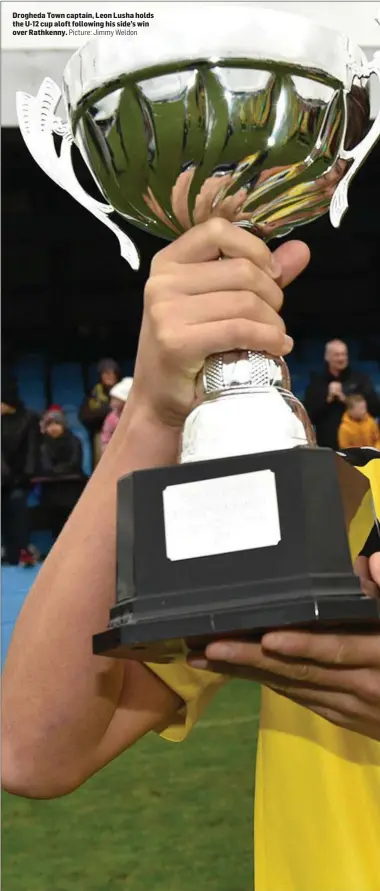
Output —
<point x="118" y="396"/>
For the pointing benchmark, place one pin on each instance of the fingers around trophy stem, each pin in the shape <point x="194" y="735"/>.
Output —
<point x="241" y="368"/>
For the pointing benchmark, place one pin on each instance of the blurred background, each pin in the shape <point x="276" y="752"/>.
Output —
<point x="161" y="816"/>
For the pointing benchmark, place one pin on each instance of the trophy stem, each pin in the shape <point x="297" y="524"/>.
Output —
<point x="248" y="408"/>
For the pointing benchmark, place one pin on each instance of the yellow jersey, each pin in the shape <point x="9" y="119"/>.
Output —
<point x="317" y="800"/>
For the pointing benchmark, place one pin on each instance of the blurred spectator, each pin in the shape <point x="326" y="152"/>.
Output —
<point x="118" y="397"/>
<point x="19" y="458"/>
<point x="325" y="398"/>
<point x="358" y="428"/>
<point x="61" y="468"/>
<point x="45" y="415"/>
<point x="96" y="406"/>
<point x="61" y="451"/>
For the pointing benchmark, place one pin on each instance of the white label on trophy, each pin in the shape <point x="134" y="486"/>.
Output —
<point x="221" y="516"/>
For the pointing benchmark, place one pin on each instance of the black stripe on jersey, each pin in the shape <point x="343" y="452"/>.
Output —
<point x="359" y="458"/>
<point x="372" y="545"/>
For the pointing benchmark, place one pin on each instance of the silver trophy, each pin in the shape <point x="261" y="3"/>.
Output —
<point x="263" y="121"/>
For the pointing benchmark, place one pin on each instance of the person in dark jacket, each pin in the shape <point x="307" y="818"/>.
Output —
<point x="19" y="458"/>
<point x="96" y="405"/>
<point x="325" y="398"/>
<point x="61" y="467"/>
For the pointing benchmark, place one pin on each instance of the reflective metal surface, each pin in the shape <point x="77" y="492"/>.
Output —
<point x="262" y="118"/>
<point x="243" y="369"/>
<point x="267" y="418"/>
<point x="260" y="147"/>
<point x="246" y="423"/>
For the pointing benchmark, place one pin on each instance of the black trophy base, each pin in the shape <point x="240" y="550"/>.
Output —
<point x="178" y="582"/>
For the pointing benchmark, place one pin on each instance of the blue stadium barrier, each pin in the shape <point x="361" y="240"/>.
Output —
<point x="67" y="384"/>
<point x="369" y="367"/>
<point x="30" y="373"/>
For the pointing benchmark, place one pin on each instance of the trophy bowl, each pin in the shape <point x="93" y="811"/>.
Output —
<point x="262" y="119"/>
<point x="228" y="132"/>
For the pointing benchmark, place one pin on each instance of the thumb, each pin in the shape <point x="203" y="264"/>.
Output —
<point x="293" y="257"/>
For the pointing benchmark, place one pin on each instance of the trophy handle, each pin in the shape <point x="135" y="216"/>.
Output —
<point x="38" y="123"/>
<point x="339" y="203"/>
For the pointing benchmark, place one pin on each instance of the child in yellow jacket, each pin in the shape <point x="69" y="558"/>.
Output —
<point x="358" y="428"/>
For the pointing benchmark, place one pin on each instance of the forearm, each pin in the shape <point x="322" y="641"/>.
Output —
<point x="58" y="699"/>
